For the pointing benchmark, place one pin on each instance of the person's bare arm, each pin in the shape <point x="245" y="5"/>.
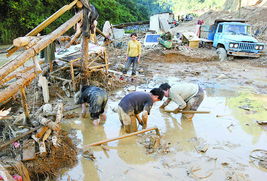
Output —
<point x="165" y="103"/>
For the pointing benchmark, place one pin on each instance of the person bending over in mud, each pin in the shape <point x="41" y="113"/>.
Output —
<point x="133" y="54"/>
<point x="96" y="98"/>
<point x="133" y="104"/>
<point x="187" y="96"/>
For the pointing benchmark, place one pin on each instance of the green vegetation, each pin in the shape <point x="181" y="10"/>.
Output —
<point x="18" y="17"/>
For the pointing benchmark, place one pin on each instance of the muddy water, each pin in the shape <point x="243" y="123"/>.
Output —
<point x="229" y="133"/>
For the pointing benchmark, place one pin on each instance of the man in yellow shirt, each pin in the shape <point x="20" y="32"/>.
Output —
<point x="133" y="54"/>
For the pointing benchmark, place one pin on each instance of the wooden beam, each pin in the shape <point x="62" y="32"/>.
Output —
<point x="16" y="86"/>
<point x="44" y="24"/>
<point x="17" y="74"/>
<point x="31" y="52"/>
<point x="85" y="59"/>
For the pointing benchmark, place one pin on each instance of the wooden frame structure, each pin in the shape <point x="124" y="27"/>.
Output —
<point x="9" y="71"/>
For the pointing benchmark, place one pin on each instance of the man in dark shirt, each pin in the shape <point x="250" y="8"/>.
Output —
<point x="133" y="104"/>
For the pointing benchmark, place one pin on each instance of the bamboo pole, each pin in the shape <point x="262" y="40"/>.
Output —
<point x="31" y="52"/>
<point x="14" y="87"/>
<point x="188" y="112"/>
<point x="44" y="24"/>
<point x="124" y="136"/>
<point x="24" y="103"/>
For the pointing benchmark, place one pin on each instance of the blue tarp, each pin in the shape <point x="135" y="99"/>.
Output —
<point x="152" y="38"/>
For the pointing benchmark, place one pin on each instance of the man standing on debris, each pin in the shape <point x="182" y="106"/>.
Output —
<point x="133" y="104"/>
<point x="187" y="96"/>
<point x="133" y="54"/>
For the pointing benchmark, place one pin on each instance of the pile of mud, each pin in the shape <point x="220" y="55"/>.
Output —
<point x="186" y="55"/>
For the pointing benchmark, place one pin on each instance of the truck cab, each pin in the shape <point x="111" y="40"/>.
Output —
<point x="233" y="37"/>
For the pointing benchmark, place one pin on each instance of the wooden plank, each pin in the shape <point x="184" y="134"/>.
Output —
<point x="44" y="24"/>
<point x="28" y="152"/>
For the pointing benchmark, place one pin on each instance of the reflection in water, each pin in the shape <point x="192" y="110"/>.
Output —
<point x="180" y="131"/>
<point x="131" y="152"/>
<point x="95" y="133"/>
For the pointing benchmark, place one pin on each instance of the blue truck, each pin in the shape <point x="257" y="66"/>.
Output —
<point x="233" y="38"/>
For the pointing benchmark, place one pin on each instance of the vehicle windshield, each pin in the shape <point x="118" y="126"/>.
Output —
<point x="238" y="29"/>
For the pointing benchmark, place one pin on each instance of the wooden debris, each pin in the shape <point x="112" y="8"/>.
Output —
<point x="124" y="136"/>
<point x="24" y="104"/>
<point x="59" y="112"/>
<point x="28" y="150"/>
<point x="42" y="82"/>
<point x="44" y="24"/>
<point x="42" y="149"/>
<point x="49" y="123"/>
<point x="5" y="174"/>
<point x="16" y="86"/>
<point x="47" y="134"/>
<point x="31" y="52"/>
<point x="41" y="132"/>
<point x="27" y="41"/>
<point x="18" y="137"/>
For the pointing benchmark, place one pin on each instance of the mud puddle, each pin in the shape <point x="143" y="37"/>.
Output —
<point x="213" y="146"/>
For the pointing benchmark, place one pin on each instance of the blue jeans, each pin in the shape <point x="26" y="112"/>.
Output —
<point x="133" y="61"/>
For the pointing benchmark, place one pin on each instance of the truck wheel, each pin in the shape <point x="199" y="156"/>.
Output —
<point x="222" y="54"/>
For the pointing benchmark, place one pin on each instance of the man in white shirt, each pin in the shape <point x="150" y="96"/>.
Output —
<point x="187" y="96"/>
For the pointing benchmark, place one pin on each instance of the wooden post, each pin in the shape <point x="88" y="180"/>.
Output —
<point x="31" y="52"/>
<point x="44" y="24"/>
<point x="85" y="60"/>
<point x="24" y="104"/>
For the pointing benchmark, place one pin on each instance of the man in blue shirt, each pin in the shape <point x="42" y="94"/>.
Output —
<point x="133" y="104"/>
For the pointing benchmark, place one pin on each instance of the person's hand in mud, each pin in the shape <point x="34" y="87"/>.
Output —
<point x="165" y="104"/>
